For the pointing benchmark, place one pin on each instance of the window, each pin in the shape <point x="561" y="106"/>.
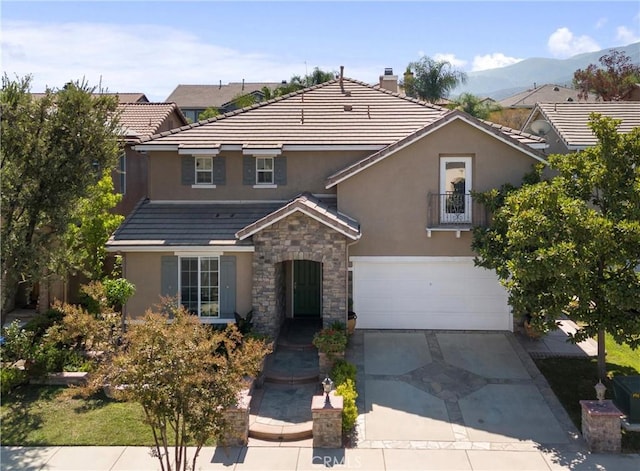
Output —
<point x="122" y="170"/>
<point x="264" y="171"/>
<point x="199" y="290"/>
<point x="204" y="170"/>
<point x="455" y="188"/>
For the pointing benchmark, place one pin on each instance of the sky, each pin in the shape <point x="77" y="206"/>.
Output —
<point x="152" y="46"/>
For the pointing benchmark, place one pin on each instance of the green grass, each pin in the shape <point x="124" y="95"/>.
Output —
<point x="573" y="380"/>
<point x="40" y="415"/>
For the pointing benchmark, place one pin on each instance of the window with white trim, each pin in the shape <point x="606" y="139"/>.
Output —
<point x="455" y="190"/>
<point x="199" y="285"/>
<point x="122" y="171"/>
<point x="204" y="170"/>
<point x="264" y="171"/>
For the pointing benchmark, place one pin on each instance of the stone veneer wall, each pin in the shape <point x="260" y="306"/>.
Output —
<point x="297" y="237"/>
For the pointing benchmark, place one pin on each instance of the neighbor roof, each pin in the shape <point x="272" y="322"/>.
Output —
<point x="141" y="120"/>
<point x="543" y="94"/>
<point x="206" y="96"/>
<point x="122" y="97"/>
<point x="570" y="120"/>
<point x="330" y="114"/>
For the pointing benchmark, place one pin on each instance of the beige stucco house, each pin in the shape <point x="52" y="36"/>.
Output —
<point x="343" y="191"/>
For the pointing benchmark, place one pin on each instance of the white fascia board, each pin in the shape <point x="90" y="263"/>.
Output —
<point x="202" y="152"/>
<point x="182" y="249"/>
<point x="156" y="147"/>
<point x="262" y="152"/>
<point x="409" y="259"/>
<point x="329" y="147"/>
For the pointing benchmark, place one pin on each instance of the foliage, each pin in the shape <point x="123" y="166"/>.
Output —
<point x="184" y="375"/>
<point x="343" y="370"/>
<point x="244" y="324"/>
<point x="616" y="76"/>
<point x="210" y="112"/>
<point x="570" y="245"/>
<point x="344" y="377"/>
<point x="431" y="80"/>
<point x="332" y="339"/>
<point x="83" y="244"/>
<point x="41" y="323"/>
<point x="54" y="149"/>
<point x="10" y="378"/>
<point x="475" y="106"/>
<point x="17" y="343"/>
<point x="296" y="82"/>
<point x="118" y="291"/>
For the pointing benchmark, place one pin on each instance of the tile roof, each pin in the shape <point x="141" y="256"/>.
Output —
<point x="518" y="139"/>
<point x="570" y="120"/>
<point x="205" y="96"/>
<point x="544" y="94"/>
<point x="329" y="114"/>
<point x="141" y="120"/>
<point x="188" y="223"/>
<point x="312" y="207"/>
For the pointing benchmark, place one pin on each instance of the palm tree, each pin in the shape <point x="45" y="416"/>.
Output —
<point x="431" y="80"/>
<point x="475" y="106"/>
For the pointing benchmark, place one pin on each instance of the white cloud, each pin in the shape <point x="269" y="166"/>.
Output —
<point x="142" y="58"/>
<point x="492" y="61"/>
<point x="601" y="22"/>
<point x="450" y="58"/>
<point x="562" y="43"/>
<point x="626" y="36"/>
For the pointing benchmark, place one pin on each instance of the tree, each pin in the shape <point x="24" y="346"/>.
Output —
<point x="571" y="245"/>
<point x="475" y="106"/>
<point x="210" y="112"/>
<point x="431" y="80"/>
<point x="612" y="81"/>
<point x="53" y="150"/>
<point x="184" y="375"/>
<point x="296" y="82"/>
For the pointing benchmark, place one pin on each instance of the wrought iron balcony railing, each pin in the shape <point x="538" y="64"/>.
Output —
<point x="455" y="210"/>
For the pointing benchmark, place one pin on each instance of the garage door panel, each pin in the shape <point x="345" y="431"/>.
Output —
<point x="429" y="294"/>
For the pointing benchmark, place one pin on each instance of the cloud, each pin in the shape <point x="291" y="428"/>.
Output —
<point x="562" y="43"/>
<point x="141" y="58"/>
<point x="601" y="22"/>
<point x="626" y="36"/>
<point x="450" y="58"/>
<point x="492" y="61"/>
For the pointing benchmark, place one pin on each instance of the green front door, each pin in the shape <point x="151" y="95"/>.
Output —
<point x="307" y="279"/>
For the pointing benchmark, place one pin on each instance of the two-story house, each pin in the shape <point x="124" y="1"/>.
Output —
<point x="342" y="190"/>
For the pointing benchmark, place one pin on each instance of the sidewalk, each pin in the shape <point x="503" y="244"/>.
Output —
<point x="293" y="458"/>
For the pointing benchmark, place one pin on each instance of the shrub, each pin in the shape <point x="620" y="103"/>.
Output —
<point x="17" y="343"/>
<point x="118" y="291"/>
<point x="331" y="340"/>
<point x="350" y="411"/>
<point x="11" y="378"/>
<point x="41" y="323"/>
<point x="343" y="370"/>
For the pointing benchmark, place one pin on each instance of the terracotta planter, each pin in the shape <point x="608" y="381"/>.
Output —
<point x="351" y="322"/>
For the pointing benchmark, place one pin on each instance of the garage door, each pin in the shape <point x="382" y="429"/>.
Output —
<point x="427" y="293"/>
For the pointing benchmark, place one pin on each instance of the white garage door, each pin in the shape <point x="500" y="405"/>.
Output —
<point x="427" y="293"/>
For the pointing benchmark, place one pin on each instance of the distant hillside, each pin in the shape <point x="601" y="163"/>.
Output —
<point x="506" y="81"/>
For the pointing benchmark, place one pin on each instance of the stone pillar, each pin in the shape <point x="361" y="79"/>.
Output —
<point x="237" y="418"/>
<point x="327" y="421"/>
<point x="601" y="426"/>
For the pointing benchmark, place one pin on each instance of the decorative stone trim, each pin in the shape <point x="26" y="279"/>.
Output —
<point x="601" y="426"/>
<point x="237" y="418"/>
<point x="327" y="421"/>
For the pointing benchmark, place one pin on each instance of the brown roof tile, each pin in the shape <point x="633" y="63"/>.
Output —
<point x="205" y="96"/>
<point x="141" y="120"/>
<point x="543" y="94"/>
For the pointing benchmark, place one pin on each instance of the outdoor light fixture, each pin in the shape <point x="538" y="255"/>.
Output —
<point x="600" y="389"/>
<point x="327" y="386"/>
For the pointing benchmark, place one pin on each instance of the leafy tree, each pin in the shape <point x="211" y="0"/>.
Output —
<point x="244" y="100"/>
<point x="475" y="106"/>
<point x="184" y="374"/>
<point x="571" y="245"/>
<point x="210" y="112"/>
<point x="83" y="244"/>
<point x="296" y="82"/>
<point x="615" y="77"/>
<point x="431" y="80"/>
<point x="52" y="151"/>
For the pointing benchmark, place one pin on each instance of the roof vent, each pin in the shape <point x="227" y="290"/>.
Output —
<point x="556" y="89"/>
<point x="388" y="71"/>
<point x="569" y="99"/>
<point x="348" y="107"/>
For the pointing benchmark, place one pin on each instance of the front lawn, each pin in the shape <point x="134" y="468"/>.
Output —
<point x="40" y="415"/>
<point x="573" y="379"/>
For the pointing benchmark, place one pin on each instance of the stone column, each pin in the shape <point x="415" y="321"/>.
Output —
<point x="237" y="433"/>
<point x="327" y="421"/>
<point x="601" y="426"/>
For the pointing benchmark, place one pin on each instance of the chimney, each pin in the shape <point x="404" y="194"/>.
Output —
<point x="389" y="81"/>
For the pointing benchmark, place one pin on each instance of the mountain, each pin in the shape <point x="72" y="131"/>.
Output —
<point x="506" y="81"/>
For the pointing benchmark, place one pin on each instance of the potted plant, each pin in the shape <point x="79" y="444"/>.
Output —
<point x="331" y="343"/>
<point x="351" y="318"/>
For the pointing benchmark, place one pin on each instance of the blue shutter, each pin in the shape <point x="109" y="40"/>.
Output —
<point x="219" y="171"/>
<point x="227" y="287"/>
<point x="248" y="170"/>
<point x="280" y="170"/>
<point x="188" y="170"/>
<point x="169" y="276"/>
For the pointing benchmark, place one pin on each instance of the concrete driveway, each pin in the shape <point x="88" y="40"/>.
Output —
<point x="454" y="390"/>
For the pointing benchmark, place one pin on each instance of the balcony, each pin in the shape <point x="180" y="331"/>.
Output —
<point x="455" y="212"/>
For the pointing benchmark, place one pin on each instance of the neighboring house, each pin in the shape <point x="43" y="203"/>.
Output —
<point x="342" y="190"/>
<point x="140" y="120"/>
<point x="545" y="94"/>
<point x="565" y="125"/>
<point x="194" y="99"/>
